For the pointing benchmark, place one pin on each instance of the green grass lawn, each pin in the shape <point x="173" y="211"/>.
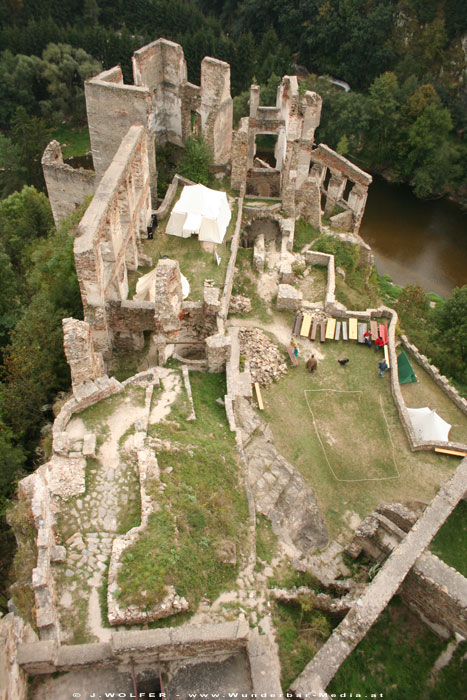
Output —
<point x="334" y="415"/>
<point x="395" y="659"/>
<point x="74" y="139"/>
<point x="449" y="543"/>
<point x="197" y="260"/>
<point x="202" y="509"/>
<point x="360" y="428"/>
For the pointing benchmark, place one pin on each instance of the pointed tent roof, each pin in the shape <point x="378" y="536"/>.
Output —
<point x="428" y="426"/>
<point x="200" y="210"/>
<point x="405" y="370"/>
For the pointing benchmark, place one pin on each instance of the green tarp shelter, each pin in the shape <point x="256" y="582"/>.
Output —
<point x="405" y="370"/>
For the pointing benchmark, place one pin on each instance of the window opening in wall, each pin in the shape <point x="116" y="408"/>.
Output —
<point x="326" y="179"/>
<point x="265" y="148"/>
<point x="347" y="191"/>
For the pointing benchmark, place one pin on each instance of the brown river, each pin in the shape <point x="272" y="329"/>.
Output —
<point x="414" y="241"/>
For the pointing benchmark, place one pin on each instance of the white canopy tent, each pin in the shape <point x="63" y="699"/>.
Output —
<point x="146" y="287"/>
<point x="202" y="211"/>
<point x="428" y="425"/>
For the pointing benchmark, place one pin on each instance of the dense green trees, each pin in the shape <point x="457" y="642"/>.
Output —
<point x="196" y="161"/>
<point x="451" y="325"/>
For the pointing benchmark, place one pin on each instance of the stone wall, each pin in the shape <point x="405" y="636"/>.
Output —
<point x="438" y="594"/>
<point x="189" y="644"/>
<point x="85" y="364"/>
<point x="263" y="182"/>
<point x="67" y="187"/>
<point x="163" y="102"/>
<point x="434" y="590"/>
<point x="342" y="171"/>
<point x="108" y="236"/>
<point x="112" y="109"/>
<point x="13" y="679"/>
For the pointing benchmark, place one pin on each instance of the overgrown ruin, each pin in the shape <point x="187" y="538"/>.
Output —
<point x="308" y="180"/>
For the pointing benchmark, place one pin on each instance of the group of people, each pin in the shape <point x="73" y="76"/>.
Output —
<point x="312" y="363"/>
<point x="379" y="343"/>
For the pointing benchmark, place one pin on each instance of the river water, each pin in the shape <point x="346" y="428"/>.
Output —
<point x="415" y="241"/>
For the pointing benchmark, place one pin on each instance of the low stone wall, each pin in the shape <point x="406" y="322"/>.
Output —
<point x="435" y="374"/>
<point x="314" y="257"/>
<point x="165" y="644"/>
<point x="229" y="276"/>
<point x="148" y="470"/>
<point x="62" y="476"/>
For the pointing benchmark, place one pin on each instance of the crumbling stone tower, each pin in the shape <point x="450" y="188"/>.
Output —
<point x="309" y="180"/>
<point x="163" y="101"/>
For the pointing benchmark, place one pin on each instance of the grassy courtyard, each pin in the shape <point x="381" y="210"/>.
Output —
<point x="197" y="260"/>
<point x="203" y="511"/>
<point x="340" y="427"/>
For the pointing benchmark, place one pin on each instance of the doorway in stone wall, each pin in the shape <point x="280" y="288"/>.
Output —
<point x="265" y="149"/>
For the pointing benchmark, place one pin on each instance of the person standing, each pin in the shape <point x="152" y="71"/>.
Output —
<point x="294" y="344"/>
<point x="382" y="364"/>
<point x="311" y="363"/>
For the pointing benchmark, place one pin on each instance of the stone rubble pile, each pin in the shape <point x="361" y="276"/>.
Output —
<point x="266" y="362"/>
<point x="239" y="304"/>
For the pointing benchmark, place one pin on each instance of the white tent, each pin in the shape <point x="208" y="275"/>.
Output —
<point x="146" y="287"/>
<point x="202" y="211"/>
<point x="428" y="425"/>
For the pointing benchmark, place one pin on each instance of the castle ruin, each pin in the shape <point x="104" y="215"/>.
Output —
<point x="126" y="124"/>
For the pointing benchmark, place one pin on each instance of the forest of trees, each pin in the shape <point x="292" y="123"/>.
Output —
<point x="405" y="117"/>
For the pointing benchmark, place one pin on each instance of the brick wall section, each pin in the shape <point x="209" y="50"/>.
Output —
<point x="438" y="593"/>
<point x="67" y="187"/>
<point x="108" y="235"/>
<point x="369" y="606"/>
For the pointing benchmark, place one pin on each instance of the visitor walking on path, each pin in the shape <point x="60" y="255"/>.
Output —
<point x="294" y="344"/>
<point x="382" y="364"/>
<point x="379" y="343"/>
<point x="311" y="363"/>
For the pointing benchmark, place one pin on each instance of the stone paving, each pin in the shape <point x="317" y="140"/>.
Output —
<point x="110" y="505"/>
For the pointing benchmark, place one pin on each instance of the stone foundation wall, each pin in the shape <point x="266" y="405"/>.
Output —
<point x="262" y="182"/>
<point x="148" y="470"/>
<point x="67" y="187"/>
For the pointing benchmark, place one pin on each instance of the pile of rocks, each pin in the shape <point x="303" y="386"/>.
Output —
<point x="316" y="314"/>
<point x="239" y="304"/>
<point x="266" y="362"/>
